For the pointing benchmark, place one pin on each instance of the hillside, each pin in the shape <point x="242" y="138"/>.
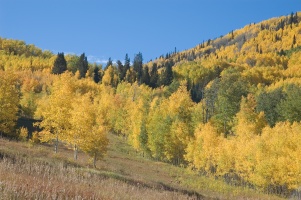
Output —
<point x="270" y="36"/>
<point x="228" y="109"/>
<point x="265" y="52"/>
<point x="123" y="174"/>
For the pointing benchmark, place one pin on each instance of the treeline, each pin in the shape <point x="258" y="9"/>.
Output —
<point x="114" y="73"/>
<point x="233" y="112"/>
<point x="17" y="55"/>
<point x="272" y="35"/>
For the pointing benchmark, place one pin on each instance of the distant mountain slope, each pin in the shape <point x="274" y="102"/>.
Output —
<point x="273" y="43"/>
<point x="272" y="35"/>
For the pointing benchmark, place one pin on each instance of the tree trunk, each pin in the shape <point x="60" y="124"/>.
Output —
<point x="94" y="160"/>
<point x="56" y="143"/>
<point x="75" y="151"/>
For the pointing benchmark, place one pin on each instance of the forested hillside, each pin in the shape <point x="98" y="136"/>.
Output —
<point x="230" y="107"/>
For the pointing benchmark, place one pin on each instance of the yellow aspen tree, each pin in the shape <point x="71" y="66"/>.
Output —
<point x="180" y="104"/>
<point x="23" y="136"/>
<point x="110" y="77"/>
<point x="179" y="110"/>
<point x="118" y="114"/>
<point x="294" y="65"/>
<point x="94" y="140"/>
<point x="122" y="106"/>
<point x="226" y="157"/>
<point x="249" y="125"/>
<point x="248" y="122"/>
<point x="9" y="102"/>
<point x="96" y="143"/>
<point x="176" y="142"/>
<point x="136" y="114"/>
<point x="104" y="98"/>
<point x="82" y="119"/>
<point x="158" y="125"/>
<point x="277" y="154"/>
<point x="245" y="158"/>
<point x="87" y="85"/>
<point x="202" y="151"/>
<point x="54" y="110"/>
<point x="137" y="108"/>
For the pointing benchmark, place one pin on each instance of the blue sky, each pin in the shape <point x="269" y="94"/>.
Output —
<point x="104" y="29"/>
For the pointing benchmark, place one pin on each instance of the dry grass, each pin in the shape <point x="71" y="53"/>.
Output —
<point x="23" y="178"/>
<point x="35" y="172"/>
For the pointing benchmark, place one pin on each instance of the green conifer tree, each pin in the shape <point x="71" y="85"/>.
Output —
<point x="138" y="66"/>
<point x="154" y="76"/>
<point x="60" y="64"/>
<point x="145" y="76"/>
<point x="166" y="76"/>
<point x="120" y="69"/>
<point x="82" y="65"/>
<point x="109" y="63"/>
<point x="96" y="76"/>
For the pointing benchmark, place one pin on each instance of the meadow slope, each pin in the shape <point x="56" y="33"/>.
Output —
<point x="30" y="171"/>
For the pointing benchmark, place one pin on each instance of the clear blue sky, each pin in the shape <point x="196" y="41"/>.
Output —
<point x="112" y="28"/>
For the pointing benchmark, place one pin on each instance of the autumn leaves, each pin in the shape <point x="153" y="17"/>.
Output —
<point x="71" y="114"/>
<point x="9" y="102"/>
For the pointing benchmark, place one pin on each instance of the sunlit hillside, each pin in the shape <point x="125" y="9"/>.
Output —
<point x="228" y="109"/>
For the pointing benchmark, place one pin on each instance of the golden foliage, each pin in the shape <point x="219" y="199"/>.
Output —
<point x="9" y="101"/>
<point x="165" y="122"/>
<point x="202" y="151"/>
<point x="23" y="136"/>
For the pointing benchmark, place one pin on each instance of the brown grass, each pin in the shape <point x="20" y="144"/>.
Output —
<point x="35" y="172"/>
<point x="23" y="178"/>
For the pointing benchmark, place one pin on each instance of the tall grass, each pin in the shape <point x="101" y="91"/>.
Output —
<point x="24" y="178"/>
<point x="30" y="171"/>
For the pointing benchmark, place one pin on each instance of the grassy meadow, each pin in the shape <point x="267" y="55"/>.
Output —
<point x="29" y="171"/>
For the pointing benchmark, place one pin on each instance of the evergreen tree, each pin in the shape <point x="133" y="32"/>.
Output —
<point x="154" y="76"/>
<point x="167" y="75"/>
<point x="127" y="62"/>
<point x="120" y="69"/>
<point x="294" y="40"/>
<point x="232" y="35"/>
<point x="296" y="18"/>
<point x="167" y="56"/>
<point x="60" y="64"/>
<point x="145" y="76"/>
<point x="96" y="76"/>
<point x="291" y="20"/>
<point x="196" y="92"/>
<point x="138" y="66"/>
<point x="126" y="66"/>
<point x="82" y="65"/>
<point x="109" y="63"/>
